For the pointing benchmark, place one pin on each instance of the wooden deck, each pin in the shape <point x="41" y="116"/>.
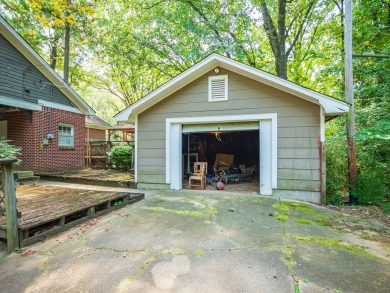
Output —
<point x="47" y="210"/>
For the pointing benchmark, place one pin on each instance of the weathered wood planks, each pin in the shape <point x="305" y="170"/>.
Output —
<point x="49" y="210"/>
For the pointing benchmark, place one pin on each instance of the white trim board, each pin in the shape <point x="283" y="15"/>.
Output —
<point x="58" y="106"/>
<point x="136" y="150"/>
<point x="19" y="104"/>
<point x="322" y="124"/>
<point x="172" y="125"/>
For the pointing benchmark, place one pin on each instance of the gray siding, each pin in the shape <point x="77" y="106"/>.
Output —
<point x="18" y="74"/>
<point x="298" y="127"/>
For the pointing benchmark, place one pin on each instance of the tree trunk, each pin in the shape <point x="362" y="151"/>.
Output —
<point x="53" y="55"/>
<point x="67" y="41"/>
<point x="277" y="37"/>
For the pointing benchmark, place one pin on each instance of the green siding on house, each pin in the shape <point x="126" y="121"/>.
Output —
<point x="21" y="80"/>
<point x="298" y="126"/>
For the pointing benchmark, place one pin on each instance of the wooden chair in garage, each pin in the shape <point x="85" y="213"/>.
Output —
<point x="198" y="179"/>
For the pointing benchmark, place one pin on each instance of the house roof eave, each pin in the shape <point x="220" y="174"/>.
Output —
<point x="96" y="126"/>
<point x="25" y="49"/>
<point x="216" y="60"/>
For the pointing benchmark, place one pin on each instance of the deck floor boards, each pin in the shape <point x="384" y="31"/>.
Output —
<point x="42" y="204"/>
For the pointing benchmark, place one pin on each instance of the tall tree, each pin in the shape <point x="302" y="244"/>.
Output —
<point x="283" y="32"/>
<point x="45" y="24"/>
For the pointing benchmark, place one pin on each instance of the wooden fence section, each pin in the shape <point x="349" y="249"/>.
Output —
<point x="96" y="153"/>
<point x="9" y="204"/>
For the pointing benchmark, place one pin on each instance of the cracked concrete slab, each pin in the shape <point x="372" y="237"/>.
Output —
<point x="195" y="241"/>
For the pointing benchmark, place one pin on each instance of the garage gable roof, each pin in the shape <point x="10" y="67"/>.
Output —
<point x="332" y="107"/>
<point x="25" y="49"/>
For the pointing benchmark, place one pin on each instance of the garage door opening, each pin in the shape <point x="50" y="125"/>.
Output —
<point x="236" y="153"/>
<point x="246" y="140"/>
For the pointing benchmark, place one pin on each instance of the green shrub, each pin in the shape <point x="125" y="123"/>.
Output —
<point x="8" y="151"/>
<point x="336" y="163"/>
<point x="121" y="157"/>
<point x="369" y="189"/>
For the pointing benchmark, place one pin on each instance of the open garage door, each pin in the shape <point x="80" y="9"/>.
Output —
<point x="234" y="152"/>
<point x="251" y="142"/>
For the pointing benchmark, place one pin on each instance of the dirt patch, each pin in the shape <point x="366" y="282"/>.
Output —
<point x="97" y="175"/>
<point x="367" y="213"/>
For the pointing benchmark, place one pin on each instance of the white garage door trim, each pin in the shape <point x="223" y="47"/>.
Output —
<point x="220" y="127"/>
<point x="268" y="144"/>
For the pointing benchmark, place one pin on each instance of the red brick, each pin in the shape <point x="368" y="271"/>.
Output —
<point x="29" y="136"/>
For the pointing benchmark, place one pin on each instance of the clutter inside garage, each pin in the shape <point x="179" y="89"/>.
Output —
<point x="231" y="157"/>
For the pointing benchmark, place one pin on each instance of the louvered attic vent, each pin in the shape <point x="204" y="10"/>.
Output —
<point x="218" y="88"/>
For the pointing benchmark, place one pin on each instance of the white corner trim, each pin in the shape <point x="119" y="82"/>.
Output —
<point x="322" y="124"/>
<point x="19" y="104"/>
<point x="168" y="123"/>
<point x="223" y="118"/>
<point x="274" y="146"/>
<point x="136" y="150"/>
<point x="58" y="106"/>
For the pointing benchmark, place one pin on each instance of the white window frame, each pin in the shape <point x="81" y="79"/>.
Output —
<point x="71" y="126"/>
<point x="226" y="80"/>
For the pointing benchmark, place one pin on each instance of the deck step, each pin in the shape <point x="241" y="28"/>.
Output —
<point x="23" y="174"/>
<point x="30" y="179"/>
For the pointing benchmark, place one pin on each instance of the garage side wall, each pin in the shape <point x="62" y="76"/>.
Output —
<point x="298" y="129"/>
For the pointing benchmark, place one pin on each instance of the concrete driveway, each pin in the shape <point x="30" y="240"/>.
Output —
<point x="195" y="241"/>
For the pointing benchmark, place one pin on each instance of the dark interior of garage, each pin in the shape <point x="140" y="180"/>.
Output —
<point x="223" y="150"/>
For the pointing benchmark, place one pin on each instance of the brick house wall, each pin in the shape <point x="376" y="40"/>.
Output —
<point x="29" y="136"/>
<point x="92" y="134"/>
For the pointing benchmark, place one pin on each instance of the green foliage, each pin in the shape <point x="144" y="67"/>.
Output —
<point x="117" y="203"/>
<point x="336" y="162"/>
<point x="304" y="221"/>
<point x="122" y="50"/>
<point x="121" y="157"/>
<point x="372" y="108"/>
<point x="8" y="151"/>
<point x="371" y="188"/>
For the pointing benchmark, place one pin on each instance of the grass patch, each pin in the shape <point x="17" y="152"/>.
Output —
<point x="147" y="262"/>
<point x="335" y="243"/>
<point x="305" y="210"/>
<point x="198" y="252"/>
<point x="322" y="217"/>
<point x="212" y="211"/>
<point x="283" y="214"/>
<point x="304" y="221"/>
<point x="295" y="204"/>
<point x="281" y="217"/>
<point x="179" y="212"/>
<point x="287" y="259"/>
<point x="257" y="200"/>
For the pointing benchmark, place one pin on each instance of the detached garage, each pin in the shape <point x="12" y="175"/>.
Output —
<point x="223" y="111"/>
